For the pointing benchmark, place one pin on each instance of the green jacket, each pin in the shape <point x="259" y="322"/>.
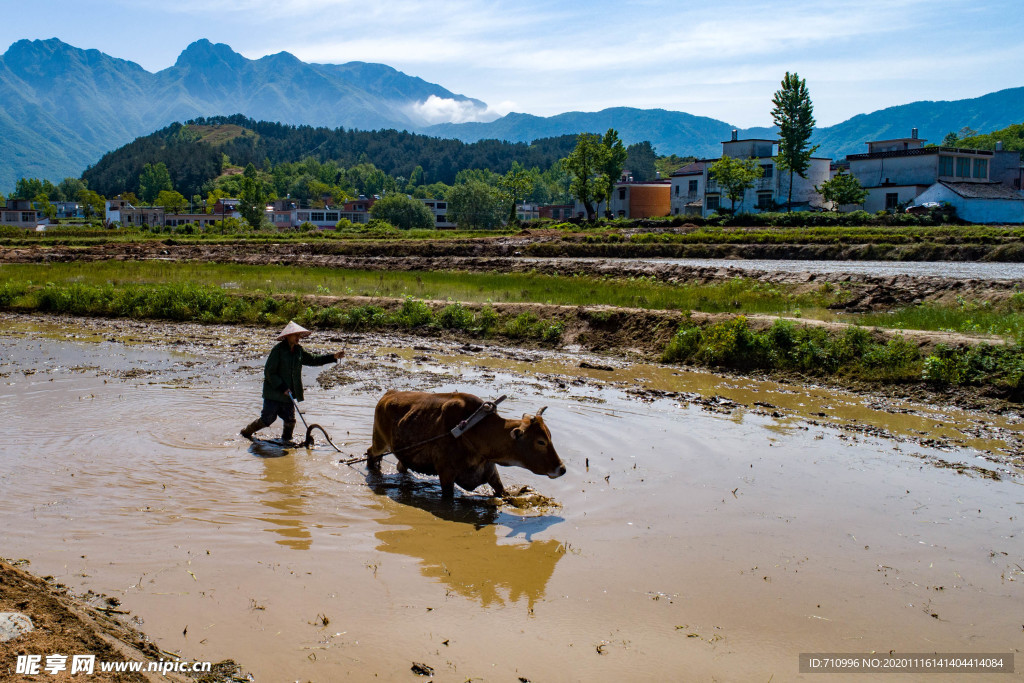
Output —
<point x="284" y="370"/>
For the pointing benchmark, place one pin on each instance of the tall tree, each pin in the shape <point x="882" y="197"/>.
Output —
<point x="735" y="176"/>
<point x="153" y="180"/>
<point x="92" y="203"/>
<point x="68" y="189"/>
<point x="583" y="166"/>
<point x="611" y="162"/>
<point x="252" y="201"/>
<point x="42" y="202"/>
<point x="641" y="161"/>
<point x="172" y="201"/>
<point x="474" y="205"/>
<point x="514" y="185"/>
<point x="794" y="115"/>
<point x="403" y="212"/>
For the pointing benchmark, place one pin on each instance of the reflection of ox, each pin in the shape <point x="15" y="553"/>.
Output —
<point x="408" y="422"/>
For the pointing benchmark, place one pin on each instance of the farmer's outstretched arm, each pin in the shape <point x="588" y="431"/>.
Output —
<point x="310" y="359"/>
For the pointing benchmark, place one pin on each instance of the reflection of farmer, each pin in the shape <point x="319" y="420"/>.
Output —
<point x="282" y="380"/>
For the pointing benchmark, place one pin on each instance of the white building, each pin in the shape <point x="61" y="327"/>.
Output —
<point x="977" y="202"/>
<point x="895" y="172"/>
<point x="439" y="208"/>
<point x="695" y="193"/>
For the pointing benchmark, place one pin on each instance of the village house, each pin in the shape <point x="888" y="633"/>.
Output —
<point x="636" y="199"/>
<point x="556" y="212"/>
<point x="21" y="214"/>
<point x="527" y="212"/>
<point x="695" y="192"/>
<point x="440" y="210"/>
<point x="977" y="202"/>
<point x="983" y="185"/>
<point x="120" y="212"/>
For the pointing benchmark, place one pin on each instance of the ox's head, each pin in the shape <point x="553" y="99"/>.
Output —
<point x="532" y="444"/>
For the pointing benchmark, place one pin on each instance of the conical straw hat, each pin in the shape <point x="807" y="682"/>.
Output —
<point x="293" y="328"/>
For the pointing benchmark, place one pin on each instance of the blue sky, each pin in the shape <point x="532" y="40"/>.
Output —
<point x="722" y="59"/>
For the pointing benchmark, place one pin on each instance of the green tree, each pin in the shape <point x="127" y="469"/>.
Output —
<point x="735" y="176"/>
<point x="514" y="185"/>
<point x="43" y="204"/>
<point x="93" y="204"/>
<point x="252" y="201"/>
<point x="153" y="180"/>
<point x="583" y="165"/>
<point x="68" y="189"/>
<point x="474" y="205"/>
<point x="842" y="189"/>
<point x="212" y="196"/>
<point x="794" y="115"/>
<point x="612" y="160"/>
<point x="30" y="188"/>
<point x="403" y="212"/>
<point x="172" y="201"/>
<point x="950" y="140"/>
<point x="482" y="175"/>
<point x="416" y="178"/>
<point x="641" y="161"/>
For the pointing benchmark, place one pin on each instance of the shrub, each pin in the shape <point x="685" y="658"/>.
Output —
<point x="455" y="316"/>
<point x="364" y="316"/>
<point x="413" y="313"/>
<point x="488" y="320"/>
<point x="684" y="344"/>
<point x="521" y="326"/>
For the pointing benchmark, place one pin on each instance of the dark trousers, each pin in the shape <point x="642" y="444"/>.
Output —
<point x="274" y="409"/>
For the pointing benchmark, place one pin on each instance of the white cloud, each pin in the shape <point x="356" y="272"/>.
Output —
<point x="436" y="109"/>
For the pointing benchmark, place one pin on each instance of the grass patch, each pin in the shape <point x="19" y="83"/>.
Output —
<point x="968" y="317"/>
<point x="203" y="303"/>
<point x="739" y="295"/>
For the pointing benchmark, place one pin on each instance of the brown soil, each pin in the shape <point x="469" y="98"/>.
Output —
<point x="68" y="625"/>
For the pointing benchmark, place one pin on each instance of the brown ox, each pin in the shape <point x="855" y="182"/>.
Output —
<point x="405" y="419"/>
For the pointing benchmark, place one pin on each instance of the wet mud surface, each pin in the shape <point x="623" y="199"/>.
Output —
<point x="711" y="525"/>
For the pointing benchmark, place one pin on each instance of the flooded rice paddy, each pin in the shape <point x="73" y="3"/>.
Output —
<point x="961" y="270"/>
<point x="708" y="527"/>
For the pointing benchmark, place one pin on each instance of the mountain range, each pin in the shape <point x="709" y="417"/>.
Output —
<point x="62" y="108"/>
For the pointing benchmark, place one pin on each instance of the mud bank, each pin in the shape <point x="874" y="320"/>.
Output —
<point x="68" y="624"/>
<point x="708" y="528"/>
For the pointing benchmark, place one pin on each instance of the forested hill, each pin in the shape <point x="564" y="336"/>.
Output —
<point x="195" y="153"/>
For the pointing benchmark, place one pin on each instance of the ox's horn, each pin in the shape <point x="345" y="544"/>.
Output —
<point x="541" y="411"/>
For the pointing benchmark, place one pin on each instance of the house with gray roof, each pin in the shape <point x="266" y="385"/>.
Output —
<point x="977" y="202"/>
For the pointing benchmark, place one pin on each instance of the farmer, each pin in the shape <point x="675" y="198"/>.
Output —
<point x="282" y="380"/>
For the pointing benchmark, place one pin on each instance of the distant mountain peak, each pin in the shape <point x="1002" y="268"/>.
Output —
<point x="205" y="53"/>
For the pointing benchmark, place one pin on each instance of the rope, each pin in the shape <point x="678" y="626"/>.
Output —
<point x="455" y="432"/>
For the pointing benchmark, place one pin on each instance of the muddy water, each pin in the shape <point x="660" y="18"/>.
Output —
<point x="697" y="537"/>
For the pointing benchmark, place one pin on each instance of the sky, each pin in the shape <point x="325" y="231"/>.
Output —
<point x="718" y="58"/>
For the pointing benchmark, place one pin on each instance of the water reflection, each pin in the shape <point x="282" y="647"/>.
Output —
<point x="284" y="497"/>
<point x="464" y="544"/>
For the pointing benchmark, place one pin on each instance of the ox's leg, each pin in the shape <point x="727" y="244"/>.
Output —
<point x="495" y="481"/>
<point x="378" y="447"/>
<point x="447" y="485"/>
